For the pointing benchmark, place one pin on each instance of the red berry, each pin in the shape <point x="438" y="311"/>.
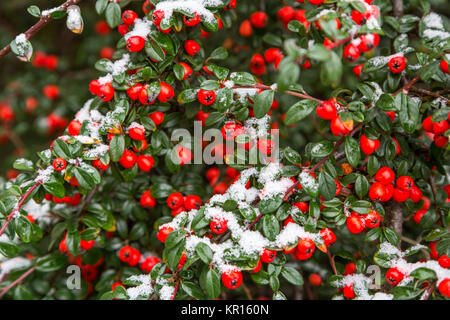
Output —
<point x="358" y="69"/>
<point x="137" y="133"/>
<point x="135" y="43"/>
<point x="400" y="195"/>
<point x="444" y="287"/>
<point x="106" y="92"/>
<point x="444" y="261"/>
<point x="51" y="91"/>
<point x="372" y="219"/>
<point x="351" y="52"/>
<point x="340" y="128"/>
<point x="59" y="164"/>
<point x="348" y="291"/>
<point x="99" y="165"/>
<point x="184" y="155"/>
<point x="377" y="191"/>
<point x="94" y="86"/>
<point x="246" y="29"/>
<point x="415" y="194"/>
<point x="368" y="146"/>
<point x="405" y="183"/>
<point x="147" y="201"/>
<point x="394" y="276"/>
<point x="187" y="70"/>
<point x="148" y="264"/>
<point x="266" y="146"/>
<point x="163" y="233"/>
<point x="305" y="246"/>
<point x="267" y="256"/>
<point x="355" y="224"/>
<point x="123" y="29"/>
<point x="191" y="47"/>
<point x="157" y="117"/>
<point x="397" y="64"/>
<point x="175" y="200"/>
<point x="385" y="175"/>
<point x="206" y="97"/>
<point x="74" y="127"/>
<point x="258" y="19"/>
<point x="125" y="253"/>
<point x="328" y="236"/>
<point x="157" y="16"/>
<point x="440" y="127"/>
<point x="134" y="91"/>
<point x="218" y="225"/>
<point x="86" y="244"/>
<point x="128" y="159"/>
<point x="315" y="279"/>
<point x="271" y="54"/>
<point x="302" y="206"/>
<point x="257" y="268"/>
<point x="232" y="279"/>
<point x="128" y="16"/>
<point x="350" y="268"/>
<point x="368" y="42"/>
<point x="316" y="2"/>
<point x="166" y="93"/>
<point x="192" y="21"/>
<point x="358" y="17"/>
<point x="192" y="202"/>
<point x="257" y="65"/>
<point x="145" y="163"/>
<point x="326" y="110"/>
<point x="444" y="66"/>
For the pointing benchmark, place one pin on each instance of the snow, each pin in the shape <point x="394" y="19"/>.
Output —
<point x="191" y="6"/>
<point x="141" y="28"/>
<point x="44" y="174"/>
<point x="12" y="264"/>
<point x="145" y="289"/>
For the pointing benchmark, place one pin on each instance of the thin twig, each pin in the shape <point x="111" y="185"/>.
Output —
<point x="333" y="265"/>
<point x="43" y="21"/>
<point x="17" y="281"/>
<point x="17" y="208"/>
<point x="266" y="87"/>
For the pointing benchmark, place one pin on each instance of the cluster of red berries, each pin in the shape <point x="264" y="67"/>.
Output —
<point x="364" y="43"/>
<point x="50" y="91"/>
<point x="84" y="244"/>
<point x="72" y="200"/>
<point x="383" y="188"/>
<point x="133" y="257"/>
<point x="328" y="110"/>
<point x="42" y="60"/>
<point x="104" y="91"/>
<point x="179" y="203"/>
<point x="213" y="175"/>
<point x="140" y="91"/>
<point x="443" y="260"/>
<point x="436" y="130"/>
<point x="356" y="222"/>
<point x="271" y="55"/>
<point x="55" y="123"/>
<point x="89" y="272"/>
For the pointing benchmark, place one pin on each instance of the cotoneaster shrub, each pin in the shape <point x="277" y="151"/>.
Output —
<point x="332" y="130"/>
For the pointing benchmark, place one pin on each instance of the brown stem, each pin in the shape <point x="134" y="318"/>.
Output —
<point x="428" y="292"/>
<point x="17" y="208"/>
<point x="43" y="21"/>
<point x="17" y="281"/>
<point x="333" y="265"/>
<point x="247" y="291"/>
<point x="394" y="219"/>
<point x="430" y="93"/>
<point x="292" y="93"/>
<point x="397" y="6"/>
<point x="336" y="147"/>
<point x="177" y="285"/>
<point x="408" y="85"/>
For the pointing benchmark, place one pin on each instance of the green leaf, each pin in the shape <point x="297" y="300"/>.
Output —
<point x="219" y="53"/>
<point x="138" y="231"/>
<point x="327" y="186"/>
<point x="271" y="226"/>
<point x="9" y="250"/>
<point x="214" y="117"/>
<point x="193" y="290"/>
<point x="352" y="151"/>
<point x="84" y="178"/>
<point x="423" y="274"/>
<point x="318" y="52"/>
<point x="321" y="149"/>
<point x="270" y="204"/>
<point x="292" y="276"/>
<point x="61" y="149"/>
<point x="409" y="112"/>
<point x="361" y="186"/>
<point x="73" y="242"/>
<point x="405" y="293"/>
<point x="51" y="262"/>
<point x="391" y="235"/>
<point x="23" y="165"/>
<point x="262" y="103"/>
<point x="100" y="6"/>
<point x="34" y="11"/>
<point x="299" y="111"/>
<point x="113" y="14"/>
<point x="116" y="147"/>
<point x="204" y="252"/>
<point x="212" y="282"/>
<point x="309" y="184"/>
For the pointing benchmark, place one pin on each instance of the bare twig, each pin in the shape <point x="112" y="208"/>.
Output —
<point x="292" y="93"/>
<point x="333" y="265"/>
<point x="43" y="21"/>
<point x="17" y="208"/>
<point x="17" y="281"/>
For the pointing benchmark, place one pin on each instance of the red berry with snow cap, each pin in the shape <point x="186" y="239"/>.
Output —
<point x="218" y="225"/>
<point x="267" y="256"/>
<point x="232" y="279"/>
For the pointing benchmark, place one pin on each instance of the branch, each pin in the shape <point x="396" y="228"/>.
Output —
<point x="17" y="208"/>
<point x="336" y="147"/>
<point x="266" y="87"/>
<point x="333" y="265"/>
<point x="408" y="85"/>
<point x="397" y="8"/>
<point x="430" y="93"/>
<point x="17" y="281"/>
<point x="43" y="21"/>
<point x="394" y="219"/>
<point x="177" y="285"/>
